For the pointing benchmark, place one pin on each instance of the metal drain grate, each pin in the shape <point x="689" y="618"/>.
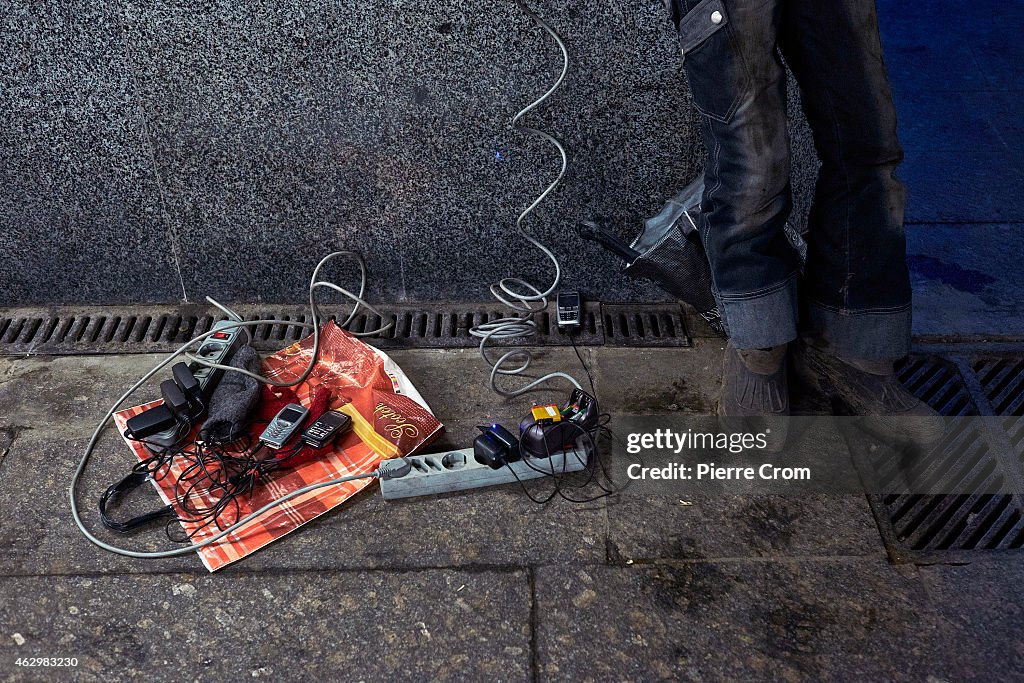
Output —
<point x="629" y="325"/>
<point x="941" y="527"/>
<point x="448" y="327"/>
<point x="157" y="329"/>
<point x="1003" y="382"/>
<point x="938" y="383"/>
<point x="151" y="331"/>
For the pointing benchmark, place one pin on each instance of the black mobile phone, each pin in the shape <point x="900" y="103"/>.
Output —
<point x="326" y="428"/>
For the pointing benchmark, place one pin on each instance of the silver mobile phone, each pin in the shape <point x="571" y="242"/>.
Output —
<point x="568" y="308"/>
<point x="284" y="425"/>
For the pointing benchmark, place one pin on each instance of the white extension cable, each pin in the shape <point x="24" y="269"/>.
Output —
<point x="315" y="323"/>
<point x="516" y="293"/>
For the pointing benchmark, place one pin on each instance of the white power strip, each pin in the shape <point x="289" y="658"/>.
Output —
<point x="437" y="473"/>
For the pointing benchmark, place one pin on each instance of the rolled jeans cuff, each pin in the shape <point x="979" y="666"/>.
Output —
<point x="877" y="334"/>
<point x="761" y="319"/>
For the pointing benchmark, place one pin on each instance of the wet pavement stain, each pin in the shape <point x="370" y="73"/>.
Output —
<point x="964" y="279"/>
<point x="680" y="397"/>
<point x="689" y="587"/>
<point x="794" y="632"/>
<point x="770" y="523"/>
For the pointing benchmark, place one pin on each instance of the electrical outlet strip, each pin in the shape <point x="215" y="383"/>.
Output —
<point x="216" y="348"/>
<point x="438" y="473"/>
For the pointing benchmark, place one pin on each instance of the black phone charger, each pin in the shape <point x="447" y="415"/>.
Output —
<point x="495" y="446"/>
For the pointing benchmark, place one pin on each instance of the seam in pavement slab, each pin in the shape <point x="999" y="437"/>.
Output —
<point x="498" y="568"/>
<point x="535" y="655"/>
<point x="768" y="559"/>
<point x="240" y="572"/>
<point x="530" y="570"/>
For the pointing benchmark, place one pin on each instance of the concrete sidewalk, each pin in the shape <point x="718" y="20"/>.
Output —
<point x="483" y="585"/>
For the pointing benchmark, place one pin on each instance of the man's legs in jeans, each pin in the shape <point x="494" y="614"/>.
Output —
<point x="856" y="287"/>
<point x="857" y="283"/>
<point x="739" y="85"/>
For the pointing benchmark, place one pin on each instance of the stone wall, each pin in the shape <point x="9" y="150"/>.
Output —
<point x="160" y="151"/>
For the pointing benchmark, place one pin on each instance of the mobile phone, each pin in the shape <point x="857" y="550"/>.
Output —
<point x="568" y="305"/>
<point x="284" y="425"/>
<point x="326" y="428"/>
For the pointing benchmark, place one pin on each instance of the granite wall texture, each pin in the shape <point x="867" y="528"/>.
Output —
<point x="156" y="151"/>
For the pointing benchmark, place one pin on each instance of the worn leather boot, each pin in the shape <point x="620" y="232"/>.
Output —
<point x="755" y="393"/>
<point x="870" y="388"/>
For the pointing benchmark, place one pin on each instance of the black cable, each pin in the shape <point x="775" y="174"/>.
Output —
<point x="590" y="378"/>
<point x="208" y="488"/>
<point x="213" y="479"/>
<point x="594" y="467"/>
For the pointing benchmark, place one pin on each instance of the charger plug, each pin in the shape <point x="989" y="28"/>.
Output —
<point x="395" y="468"/>
<point x="495" y="447"/>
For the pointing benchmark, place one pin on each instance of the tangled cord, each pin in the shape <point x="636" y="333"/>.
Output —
<point x="314" y="323"/>
<point x="516" y="293"/>
<point x="211" y="484"/>
<point x="160" y="456"/>
<point x="211" y="480"/>
<point x="587" y="451"/>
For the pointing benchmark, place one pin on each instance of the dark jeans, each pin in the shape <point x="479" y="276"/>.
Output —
<point x="855" y="289"/>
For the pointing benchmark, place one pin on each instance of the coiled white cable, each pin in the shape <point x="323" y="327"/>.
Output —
<point x="516" y="293"/>
<point x="314" y="323"/>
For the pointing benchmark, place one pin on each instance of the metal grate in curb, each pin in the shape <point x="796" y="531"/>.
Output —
<point x="651" y="325"/>
<point x="158" y="329"/>
<point x="933" y="528"/>
<point x="448" y="327"/>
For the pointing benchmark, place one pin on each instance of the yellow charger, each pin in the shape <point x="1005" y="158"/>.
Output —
<point x="548" y="412"/>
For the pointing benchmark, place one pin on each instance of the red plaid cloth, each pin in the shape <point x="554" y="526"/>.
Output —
<point x="390" y="418"/>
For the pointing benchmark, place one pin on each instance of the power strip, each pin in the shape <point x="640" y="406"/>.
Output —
<point x="217" y="348"/>
<point x="437" y="473"/>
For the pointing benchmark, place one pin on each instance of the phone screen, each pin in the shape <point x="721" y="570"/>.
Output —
<point x="290" y="414"/>
<point x="333" y="419"/>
